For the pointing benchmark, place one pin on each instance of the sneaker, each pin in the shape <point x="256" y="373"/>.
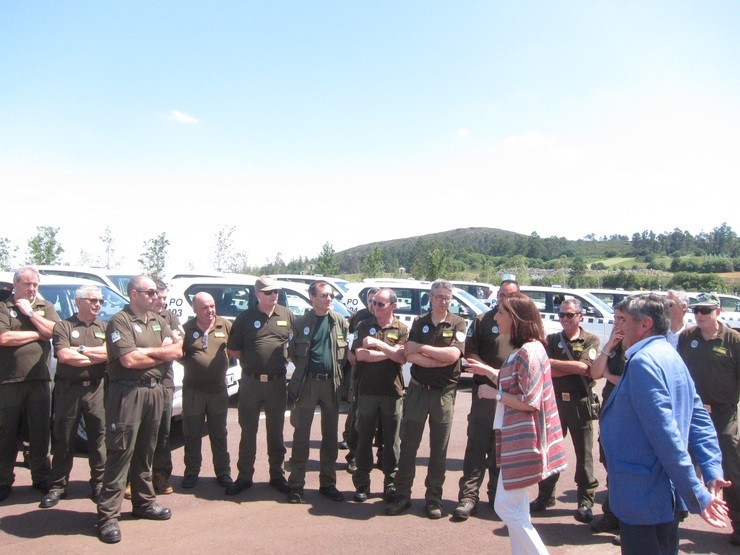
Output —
<point x="465" y="508"/>
<point x="161" y="484"/>
<point x="189" y="481"/>
<point x="607" y="523"/>
<point x="295" y="496"/>
<point x="399" y="504"/>
<point x="332" y="493"/>
<point x="127" y="491"/>
<point x="540" y="504"/>
<point x="584" y="514"/>
<point x="434" y="510"/>
<point x="361" y="494"/>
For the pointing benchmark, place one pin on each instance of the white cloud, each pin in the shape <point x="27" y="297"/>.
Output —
<point x="180" y="117"/>
<point x="463" y="133"/>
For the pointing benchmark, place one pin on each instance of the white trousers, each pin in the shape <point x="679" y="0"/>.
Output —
<point x="513" y="508"/>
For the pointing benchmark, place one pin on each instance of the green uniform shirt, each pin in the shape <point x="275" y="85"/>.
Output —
<point x="125" y="333"/>
<point x="384" y="377"/>
<point x="584" y="348"/>
<point x="204" y="356"/>
<point x="451" y="332"/>
<point x="484" y="341"/>
<point x="70" y="334"/>
<point x="29" y="361"/>
<point x="262" y="340"/>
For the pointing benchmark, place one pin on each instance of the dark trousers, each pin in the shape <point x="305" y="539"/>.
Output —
<point x="369" y="409"/>
<point x="255" y="396"/>
<point x="655" y="539"/>
<point x="30" y="403"/>
<point x="162" y="453"/>
<point x="314" y="393"/>
<point x="132" y="416"/>
<point x="72" y="402"/>
<point x="573" y="418"/>
<point x="439" y="407"/>
<point x="197" y="408"/>
<point x="480" y="454"/>
<point x="724" y="418"/>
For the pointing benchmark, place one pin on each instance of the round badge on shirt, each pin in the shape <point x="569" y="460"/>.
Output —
<point x="460" y="336"/>
<point x="592" y="354"/>
<point x="494" y="329"/>
<point x="373" y="331"/>
<point x="306" y="330"/>
<point x="196" y="335"/>
<point x="694" y="344"/>
<point x="425" y="329"/>
<point x="13" y="313"/>
<point x="561" y="345"/>
<point x="137" y="329"/>
<point x="75" y="334"/>
<point x="257" y="324"/>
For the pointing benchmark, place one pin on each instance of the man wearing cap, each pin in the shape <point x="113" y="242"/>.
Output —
<point x="711" y="350"/>
<point x="204" y="394"/>
<point x="572" y="352"/>
<point x="79" y="345"/>
<point x="259" y="339"/>
<point x="484" y="344"/>
<point x="435" y="346"/>
<point x="139" y="344"/>
<point x="26" y="325"/>
<point x="318" y="349"/>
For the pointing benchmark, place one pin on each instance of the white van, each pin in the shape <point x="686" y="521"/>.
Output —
<point x="115" y="278"/>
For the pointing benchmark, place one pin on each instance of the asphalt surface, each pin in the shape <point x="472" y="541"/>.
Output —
<point x="259" y="520"/>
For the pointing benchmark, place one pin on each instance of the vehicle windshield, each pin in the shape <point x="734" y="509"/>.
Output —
<point x="120" y="281"/>
<point x="471" y="300"/>
<point x="596" y="301"/>
<point x="62" y="297"/>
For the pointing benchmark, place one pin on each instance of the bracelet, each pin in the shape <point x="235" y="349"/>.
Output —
<point x="608" y="355"/>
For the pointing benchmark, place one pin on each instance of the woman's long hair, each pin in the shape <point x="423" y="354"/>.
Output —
<point x="526" y="323"/>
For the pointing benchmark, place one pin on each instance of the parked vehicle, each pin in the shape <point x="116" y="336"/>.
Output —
<point x="116" y="279"/>
<point x="484" y="292"/>
<point x="338" y="285"/>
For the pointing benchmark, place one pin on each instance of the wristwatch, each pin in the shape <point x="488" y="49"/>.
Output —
<point x="499" y="396"/>
<point x="81" y="349"/>
<point x="31" y="313"/>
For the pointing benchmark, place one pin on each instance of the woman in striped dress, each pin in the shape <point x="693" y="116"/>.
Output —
<point x="529" y="439"/>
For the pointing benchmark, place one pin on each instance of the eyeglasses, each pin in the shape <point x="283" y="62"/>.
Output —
<point x="92" y="300"/>
<point x="568" y="315"/>
<point x="270" y="292"/>
<point x="147" y="292"/>
<point x="705" y="310"/>
<point x="443" y="298"/>
<point x="380" y="304"/>
<point x="326" y="295"/>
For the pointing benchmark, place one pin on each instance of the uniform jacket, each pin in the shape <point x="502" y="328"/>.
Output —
<point x="300" y="347"/>
<point x="650" y="426"/>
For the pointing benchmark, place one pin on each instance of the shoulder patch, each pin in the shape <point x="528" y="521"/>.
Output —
<point x="115" y="336"/>
<point x="460" y="336"/>
<point x="592" y="354"/>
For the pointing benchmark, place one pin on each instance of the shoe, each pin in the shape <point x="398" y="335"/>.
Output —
<point x="4" y="492"/>
<point x="127" y="491"/>
<point x="389" y="492"/>
<point x="540" y="504"/>
<point x="399" y="504"/>
<point x="109" y="533"/>
<point x="42" y="486"/>
<point x="464" y="509"/>
<point x="239" y="486"/>
<point x="189" y="481"/>
<point x="352" y="466"/>
<point x="295" y="496"/>
<point x="607" y="523"/>
<point x="584" y="514"/>
<point x="332" y="493"/>
<point x="52" y="498"/>
<point x="343" y="445"/>
<point x="161" y="484"/>
<point x="155" y="512"/>
<point x="361" y="494"/>
<point x="97" y="493"/>
<point x="224" y="480"/>
<point x="280" y="484"/>
<point x="434" y="510"/>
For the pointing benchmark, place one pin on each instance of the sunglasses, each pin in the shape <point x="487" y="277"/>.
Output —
<point x="380" y="304"/>
<point x="568" y="315"/>
<point x="147" y="292"/>
<point x="93" y="300"/>
<point x="705" y="310"/>
<point x="270" y="292"/>
<point x="326" y="295"/>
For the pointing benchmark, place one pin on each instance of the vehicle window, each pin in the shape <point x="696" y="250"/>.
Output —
<point x="120" y="281"/>
<point x="62" y="297"/>
<point x="230" y="299"/>
<point x="405" y="300"/>
<point x="539" y="298"/>
<point x="729" y="304"/>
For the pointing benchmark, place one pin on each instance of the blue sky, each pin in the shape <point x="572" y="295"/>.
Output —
<point x="291" y="120"/>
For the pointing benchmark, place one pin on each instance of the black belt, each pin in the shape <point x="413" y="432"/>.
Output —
<point x="144" y="382"/>
<point x="568" y="396"/>
<point x="83" y="383"/>
<point x="430" y="387"/>
<point x="265" y="377"/>
<point x="320" y="377"/>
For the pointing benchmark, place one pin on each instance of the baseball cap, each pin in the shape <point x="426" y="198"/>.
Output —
<point x="265" y="283"/>
<point x="706" y="299"/>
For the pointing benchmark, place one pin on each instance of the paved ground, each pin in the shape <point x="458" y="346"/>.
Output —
<point x="260" y="521"/>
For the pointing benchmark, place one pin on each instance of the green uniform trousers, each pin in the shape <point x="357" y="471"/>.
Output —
<point x="197" y="408"/>
<point x="480" y="450"/>
<point x="369" y="408"/>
